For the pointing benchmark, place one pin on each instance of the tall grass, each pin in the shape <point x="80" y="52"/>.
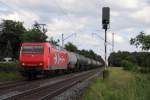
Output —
<point x="121" y="85"/>
<point x="9" y="67"/>
<point x="11" y="76"/>
<point x="10" y="72"/>
<point x="127" y="65"/>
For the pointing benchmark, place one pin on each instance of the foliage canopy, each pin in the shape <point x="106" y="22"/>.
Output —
<point x="142" y="40"/>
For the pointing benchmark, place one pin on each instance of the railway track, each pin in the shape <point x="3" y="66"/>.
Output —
<point x="46" y="89"/>
<point x="8" y="85"/>
<point x="11" y="84"/>
<point x="10" y="89"/>
<point x="4" y="86"/>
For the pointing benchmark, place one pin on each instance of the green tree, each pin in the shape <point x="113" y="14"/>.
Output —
<point x="33" y="35"/>
<point x="71" y="47"/>
<point x="11" y="32"/>
<point x="116" y="58"/>
<point x="141" y="59"/>
<point x="15" y="32"/>
<point x="92" y="54"/>
<point x="142" y="40"/>
<point x="54" y="42"/>
<point x="15" y="27"/>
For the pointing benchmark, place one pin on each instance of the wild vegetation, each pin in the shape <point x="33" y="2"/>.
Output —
<point x="125" y="82"/>
<point x="139" y="60"/>
<point x="120" y="85"/>
<point x="10" y="72"/>
<point x="133" y="60"/>
<point x="142" y="41"/>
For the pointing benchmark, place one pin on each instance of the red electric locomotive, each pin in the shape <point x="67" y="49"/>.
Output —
<point x="45" y="58"/>
<point x="40" y="57"/>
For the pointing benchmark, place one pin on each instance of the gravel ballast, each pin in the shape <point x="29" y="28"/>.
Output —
<point x="76" y="91"/>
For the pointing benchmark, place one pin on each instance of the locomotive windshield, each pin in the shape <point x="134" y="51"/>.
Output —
<point x="32" y="49"/>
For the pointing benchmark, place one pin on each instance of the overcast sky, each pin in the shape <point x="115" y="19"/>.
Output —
<point x="83" y="17"/>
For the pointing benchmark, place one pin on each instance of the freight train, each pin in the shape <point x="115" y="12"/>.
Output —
<point x="45" y="58"/>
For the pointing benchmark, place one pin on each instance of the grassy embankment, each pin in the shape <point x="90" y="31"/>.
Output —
<point x="120" y="85"/>
<point x="10" y="72"/>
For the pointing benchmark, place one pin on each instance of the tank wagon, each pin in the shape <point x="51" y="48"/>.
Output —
<point x="45" y="58"/>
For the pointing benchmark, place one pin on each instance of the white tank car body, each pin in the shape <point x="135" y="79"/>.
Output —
<point x="82" y="60"/>
<point x="89" y="61"/>
<point x="72" y="59"/>
<point x="94" y="62"/>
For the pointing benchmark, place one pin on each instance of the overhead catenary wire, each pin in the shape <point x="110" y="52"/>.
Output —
<point x="101" y="38"/>
<point x="62" y="10"/>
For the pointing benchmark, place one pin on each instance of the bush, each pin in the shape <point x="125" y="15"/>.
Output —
<point x="144" y="69"/>
<point x="10" y="71"/>
<point x="127" y="65"/>
<point x="10" y="67"/>
<point x="105" y="74"/>
<point x="139" y="58"/>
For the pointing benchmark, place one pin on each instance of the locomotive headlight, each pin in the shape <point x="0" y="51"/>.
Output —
<point x="41" y="64"/>
<point x="23" y="64"/>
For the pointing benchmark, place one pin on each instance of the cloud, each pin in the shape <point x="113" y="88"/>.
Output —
<point x="66" y="25"/>
<point x="129" y="3"/>
<point x="88" y="39"/>
<point x="128" y="18"/>
<point x="142" y="15"/>
<point x="24" y="16"/>
<point x="147" y="31"/>
<point x="115" y="13"/>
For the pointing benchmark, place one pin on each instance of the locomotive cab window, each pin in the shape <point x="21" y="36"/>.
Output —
<point x="27" y="49"/>
<point x="32" y="49"/>
<point x="38" y="49"/>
